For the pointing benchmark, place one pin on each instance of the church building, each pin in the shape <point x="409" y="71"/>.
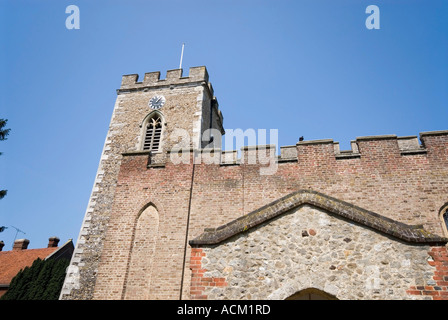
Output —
<point x="174" y="216"/>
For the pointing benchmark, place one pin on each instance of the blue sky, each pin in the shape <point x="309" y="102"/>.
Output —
<point x="306" y="68"/>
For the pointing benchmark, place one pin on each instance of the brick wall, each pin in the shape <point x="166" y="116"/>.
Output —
<point x="410" y="188"/>
<point x="437" y="289"/>
<point x="199" y="283"/>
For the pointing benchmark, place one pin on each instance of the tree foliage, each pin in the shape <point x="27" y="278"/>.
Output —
<point x="43" y="280"/>
<point x="3" y="136"/>
<point x="3" y="132"/>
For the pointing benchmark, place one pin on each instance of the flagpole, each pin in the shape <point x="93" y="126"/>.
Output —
<point x="181" y="56"/>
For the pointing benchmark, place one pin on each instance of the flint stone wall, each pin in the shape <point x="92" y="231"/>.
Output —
<point x="310" y="248"/>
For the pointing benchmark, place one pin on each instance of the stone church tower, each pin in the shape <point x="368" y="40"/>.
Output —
<point x="366" y="223"/>
<point x="151" y="118"/>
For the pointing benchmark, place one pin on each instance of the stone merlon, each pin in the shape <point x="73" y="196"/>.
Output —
<point x="433" y="148"/>
<point x="173" y="78"/>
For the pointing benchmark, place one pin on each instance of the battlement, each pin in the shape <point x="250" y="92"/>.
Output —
<point x="382" y="146"/>
<point x="385" y="150"/>
<point x="197" y="75"/>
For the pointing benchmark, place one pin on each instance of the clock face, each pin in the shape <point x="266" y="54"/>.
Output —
<point x="157" y="102"/>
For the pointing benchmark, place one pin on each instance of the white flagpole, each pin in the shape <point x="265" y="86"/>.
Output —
<point x="181" y="56"/>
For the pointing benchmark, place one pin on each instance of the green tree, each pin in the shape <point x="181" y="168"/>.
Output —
<point x="55" y="282"/>
<point x="3" y="134"/>
<point x="42" y="281"/>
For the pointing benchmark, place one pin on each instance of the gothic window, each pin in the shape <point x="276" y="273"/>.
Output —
<point x="153" y="133"/>
<point x="445" y="219"/>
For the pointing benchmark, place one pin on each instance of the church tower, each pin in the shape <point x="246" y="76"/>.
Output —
<point x="176" y="107"/>
<point x="150" y="119"/>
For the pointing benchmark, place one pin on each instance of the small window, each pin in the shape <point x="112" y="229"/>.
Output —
<point x="153" y="133"/>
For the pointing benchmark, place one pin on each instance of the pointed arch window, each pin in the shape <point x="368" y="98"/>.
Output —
<point x="445" y="220"/>
<point x="443" y="214"/>
<point x="153" y="133"/>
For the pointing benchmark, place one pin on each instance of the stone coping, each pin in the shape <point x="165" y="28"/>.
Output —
<point x="434" y="133"/>
<point x="381" y="137"/>
<point x="408" y="233"/>
<point x="321" y="141"/>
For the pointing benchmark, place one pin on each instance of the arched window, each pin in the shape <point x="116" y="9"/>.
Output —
<point x="445" y="220"/>
<point x="153" y="133"/>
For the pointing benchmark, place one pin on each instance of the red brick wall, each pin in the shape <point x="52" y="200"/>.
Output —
<point x="139" y="270"/>
<point x="199" y="282"/>
<point x="168" y="190"/>
<point x="409" y="188"/>
<point x="439" y="291"/>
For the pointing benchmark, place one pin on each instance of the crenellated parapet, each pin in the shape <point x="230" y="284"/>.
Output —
<point x="174" y="78"/>
<point x="383" y="151"/>
<point x="325" y="151"/>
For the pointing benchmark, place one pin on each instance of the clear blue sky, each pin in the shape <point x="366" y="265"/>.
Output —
<point x="308" y="68"/>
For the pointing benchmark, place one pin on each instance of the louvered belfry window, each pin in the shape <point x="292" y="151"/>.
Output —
<point x="153" y="134"/>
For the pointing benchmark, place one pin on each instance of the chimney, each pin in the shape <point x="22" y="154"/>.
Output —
<point x="2" y="244"/>
<point x="21" y="244"/>
<point x="53" y="242"/>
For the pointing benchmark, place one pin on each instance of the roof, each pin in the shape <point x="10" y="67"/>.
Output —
<point x="405" y="232"/>
<point x="11" y="262"/>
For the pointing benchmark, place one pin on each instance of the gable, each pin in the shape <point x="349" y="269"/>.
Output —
<point x="398" y="230"/>
<point x="308" y="247"/>
<point x="309" y="240"/>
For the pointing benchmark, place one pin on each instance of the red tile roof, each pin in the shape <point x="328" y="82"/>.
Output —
<point x="12" y="261"/>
